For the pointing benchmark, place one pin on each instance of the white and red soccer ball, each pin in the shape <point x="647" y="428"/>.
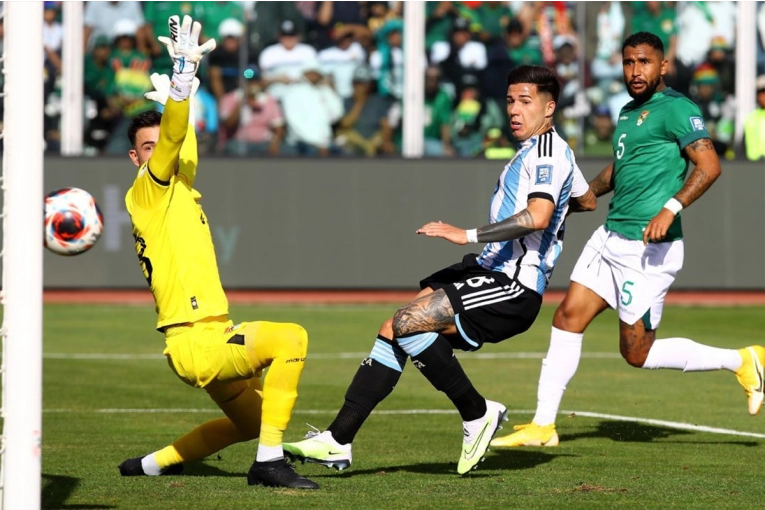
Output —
<point x="73" y="221"/>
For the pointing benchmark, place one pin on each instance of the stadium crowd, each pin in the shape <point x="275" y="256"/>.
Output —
<point x="326" y="78"/>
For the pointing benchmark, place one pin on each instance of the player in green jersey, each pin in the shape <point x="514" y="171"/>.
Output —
<point x="630" y="262"/>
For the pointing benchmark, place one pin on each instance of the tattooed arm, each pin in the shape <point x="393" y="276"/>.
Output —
<point x="707" y="169"/>
<point x="535" y="217"/>
<point x="603" y="182"/>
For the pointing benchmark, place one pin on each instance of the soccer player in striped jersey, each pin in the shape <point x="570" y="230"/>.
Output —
<point x="175" y="249"/>
<point x="630" y="262"/>
<point x="486" y="297"/>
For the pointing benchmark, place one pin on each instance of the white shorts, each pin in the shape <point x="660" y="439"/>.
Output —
<point x="631" y="277"/>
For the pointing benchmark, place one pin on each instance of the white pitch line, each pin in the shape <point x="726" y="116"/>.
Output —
<point x="332" y="355"/>
<point x="614" y="417"/>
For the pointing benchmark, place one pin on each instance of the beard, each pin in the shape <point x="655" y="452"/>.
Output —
<point x="645" y="95"/>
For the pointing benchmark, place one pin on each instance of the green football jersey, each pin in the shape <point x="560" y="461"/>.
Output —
<point x="649" y="163"/>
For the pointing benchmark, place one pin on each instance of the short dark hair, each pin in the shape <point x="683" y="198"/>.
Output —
<point x="543" y="77"/>
<point x="142" y="120"/>
<point x="646" y="38"/>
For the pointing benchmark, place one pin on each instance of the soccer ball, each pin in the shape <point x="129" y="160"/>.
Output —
<point x="73" y="221"/>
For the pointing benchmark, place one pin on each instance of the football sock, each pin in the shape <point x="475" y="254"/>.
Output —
<point x="689" y="356"/>
<point x="440" y="366"/>
<point x="150" y="466"/>
<point x="558" y="367"/>
<point x="282" y="347"/>
<point x="266" y="453"/>
<point x="373" y="382"/>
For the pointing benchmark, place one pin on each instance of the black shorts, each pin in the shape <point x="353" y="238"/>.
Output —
<point x="489" y="306"/>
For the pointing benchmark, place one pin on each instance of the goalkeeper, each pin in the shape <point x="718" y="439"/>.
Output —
<point x="175" y="250"/>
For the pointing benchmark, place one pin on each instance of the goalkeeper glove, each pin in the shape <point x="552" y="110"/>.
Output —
<point x="161" y="92"/>
<point x="183" y="47"/>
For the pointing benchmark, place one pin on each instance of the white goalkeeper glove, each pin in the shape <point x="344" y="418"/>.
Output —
<point x="183" y="47"/>
<point x="161" y="92"/>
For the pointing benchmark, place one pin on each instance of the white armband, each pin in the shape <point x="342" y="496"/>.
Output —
<point x="472" y="235"/>
<point x="673" y="205"/>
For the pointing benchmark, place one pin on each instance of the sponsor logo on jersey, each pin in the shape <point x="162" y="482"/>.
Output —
<point x="623" y="117"/>
<point x="544" y="174"/>
<point x="697" y="123"/>
<point x="642" y="117"/>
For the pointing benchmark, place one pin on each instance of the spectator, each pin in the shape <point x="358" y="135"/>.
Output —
<point x="572" y="103"/>
<point x="251" y="125"/>
<point x="659" y="18"/>
<point x="340" y="61"/>
<point x="439" y="19"/>
<point x="493" y="19"/>
<point x="335" y="19"/>
<point x="472" y="118"/>
<point x="215" y="13"/>
<point x="156" y="14"/>
<point x="387" y="61"/>
<point x="311" y="107"/>
<point x="754" y="125"/>
<point x="101" y="18"/>
<point x="542" y="21"/>
<point x="360" y="127"/>
<point x="717" y="110"/>
<point x="722" y="59"/>
<point x="597" y="140"/>
<point x="98" y="81"/>
<point x="497" y="146"/>
<point x="225" y="69"/>
<point x="268" y="17"/>
<point x="379" y="14"/>
<point x="282" y="63"/>
<point x="697" y="24"/>
<point x="512" y="50"/>
<point x="761" y="38"/>
<point x="53" y="34"/>
<point x="131" y="81"/>
<point x="606" y="62"/>
<point x="459" y="55"/>
<point x="438" y="111"/>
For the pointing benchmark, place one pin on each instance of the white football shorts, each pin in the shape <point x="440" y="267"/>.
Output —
<point x="631" y="277"/>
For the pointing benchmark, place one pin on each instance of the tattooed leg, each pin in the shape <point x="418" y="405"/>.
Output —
<point x="635" y="342"/>
<point x="432" y="312"/>
<point x="419" y="328"/>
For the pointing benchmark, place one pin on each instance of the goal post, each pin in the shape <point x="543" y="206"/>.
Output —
<point x="22" y="256"/>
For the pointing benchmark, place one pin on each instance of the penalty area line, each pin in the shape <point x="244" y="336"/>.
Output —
<point x="614" y="417"/>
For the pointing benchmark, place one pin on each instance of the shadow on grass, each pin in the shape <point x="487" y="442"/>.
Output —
<point x="639" y="433"/>
<point x="57" y="489"/>
<point x="495" y="460"/>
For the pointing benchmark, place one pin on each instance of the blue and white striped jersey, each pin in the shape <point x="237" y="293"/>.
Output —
<point x="543" y="167"/>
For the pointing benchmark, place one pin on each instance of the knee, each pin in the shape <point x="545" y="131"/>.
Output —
<point x="398" y="324"/>
<point x="296" y="340"/>
<point x="565" y="317"/>
<point x="386" y="330"/>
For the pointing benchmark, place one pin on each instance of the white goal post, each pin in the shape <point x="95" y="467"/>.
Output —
<point x="20" y="477"/>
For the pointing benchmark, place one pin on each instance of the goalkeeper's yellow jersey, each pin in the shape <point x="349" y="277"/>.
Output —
<point x="172" y="236"/>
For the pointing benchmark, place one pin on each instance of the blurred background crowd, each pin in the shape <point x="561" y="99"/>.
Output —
<point x="326" y="78"/>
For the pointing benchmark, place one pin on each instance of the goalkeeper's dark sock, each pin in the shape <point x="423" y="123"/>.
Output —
<point x="373" y="382"/>
<point x="440" y="366"/>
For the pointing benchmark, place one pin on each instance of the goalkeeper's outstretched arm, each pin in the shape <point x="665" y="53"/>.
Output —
<point x="172" y="132"/>
<point x="187" y="167"/>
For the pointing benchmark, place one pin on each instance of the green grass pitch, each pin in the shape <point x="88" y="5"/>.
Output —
<point x="100" y="410"/>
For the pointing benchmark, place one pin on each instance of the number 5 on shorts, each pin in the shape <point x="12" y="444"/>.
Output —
<point x="626" y="298"/>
